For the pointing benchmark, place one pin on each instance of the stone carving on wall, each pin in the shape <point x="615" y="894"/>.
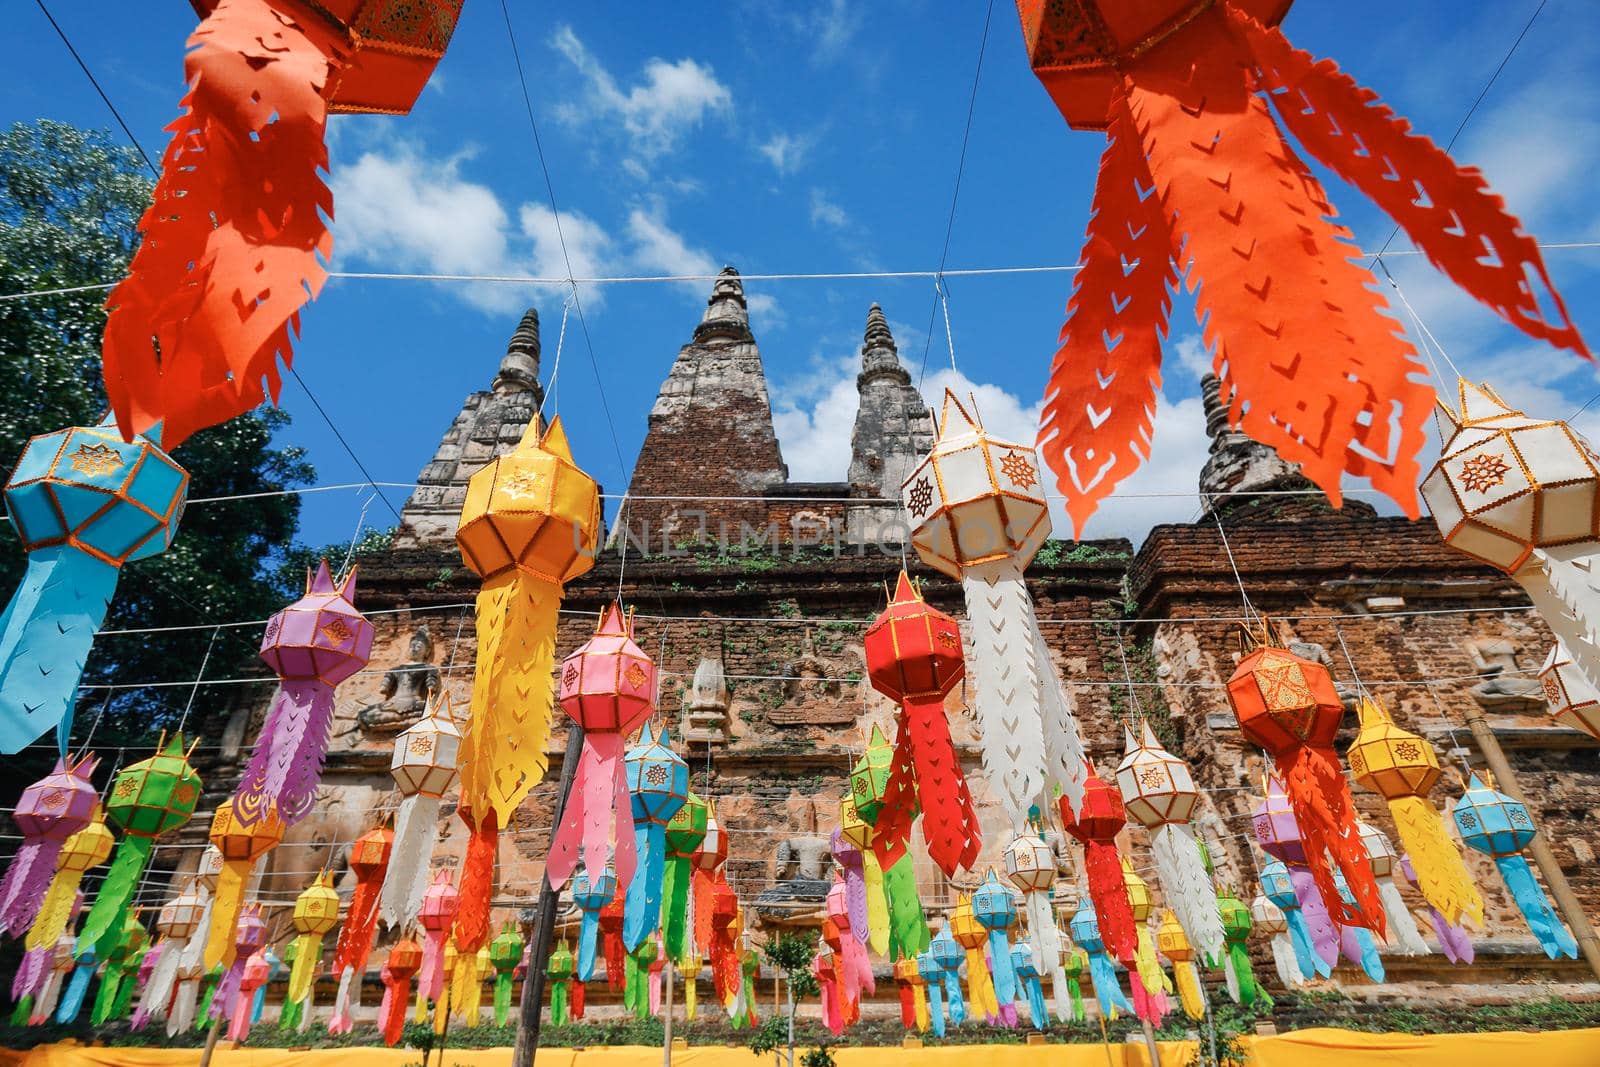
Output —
<point x="1505" y="691"/>
<point x="406" y="690"/>
<point x="706" y="709"/>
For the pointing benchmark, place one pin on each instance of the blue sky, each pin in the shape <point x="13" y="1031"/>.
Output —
<point x="805" y="138"/>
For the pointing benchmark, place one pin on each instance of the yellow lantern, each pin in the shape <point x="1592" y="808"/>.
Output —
<point x="86" y="849"/>
<point x="316" y="911"/>
<point x="240" y="845"/>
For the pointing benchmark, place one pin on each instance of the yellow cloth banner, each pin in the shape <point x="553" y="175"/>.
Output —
<point x="1303" y="1048"/>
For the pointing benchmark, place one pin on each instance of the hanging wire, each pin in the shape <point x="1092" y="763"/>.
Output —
<point x="1249" y="609"/>
<point x="561" y="342"/>
<point x="198" y="676"/>
<point x="361" y="520"/>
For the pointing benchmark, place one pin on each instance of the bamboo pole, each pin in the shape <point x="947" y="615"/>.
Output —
<point x="1543" y="857"/>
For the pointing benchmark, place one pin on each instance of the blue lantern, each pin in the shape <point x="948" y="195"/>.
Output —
<point x="1028" y="977"/>
<point x="658" y="781"/>
<point x="1278" y="886"/>
<point x="1085" y="931"/>
<point x="948" y="954"/>
<point x="590" y="896"/>
<point x="932" y="972"/>
<point x="1500" y="828"/>
<point x="83" y="502"/>
<point x="996" y="910"/>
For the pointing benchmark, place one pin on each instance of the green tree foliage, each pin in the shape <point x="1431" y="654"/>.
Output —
<point x="70" y="203"/>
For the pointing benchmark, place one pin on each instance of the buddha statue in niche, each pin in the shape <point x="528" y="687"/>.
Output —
<point x="405" y="691"/>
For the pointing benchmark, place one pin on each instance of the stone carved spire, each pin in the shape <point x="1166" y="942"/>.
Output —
<point x="1237" y="463"/>
<point x="727" y="316"/>
<point x="893" y="430"/>
<point x="519" y="368"/>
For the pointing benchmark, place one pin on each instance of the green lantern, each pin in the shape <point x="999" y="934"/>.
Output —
<point x="148" y="798"/>
<point x="870" y="776"/>
<point x="685" y="831"/>
<point x="505" y="952"/>
<point x="123" y="960"/>
<point x="1236" y="925"/>
<point x="560" y="970"/>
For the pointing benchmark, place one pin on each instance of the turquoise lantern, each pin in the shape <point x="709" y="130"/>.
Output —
<point x="658" y="781"/>
<point x="1277" y="885"/>
<point x="1085" y="931"/>
<point x="1500" y="827"/>
<point x="996" y="910"/>
<point x="590" y="895"/>
<point x="947" y="954"/>
<point x="83" y="502"/>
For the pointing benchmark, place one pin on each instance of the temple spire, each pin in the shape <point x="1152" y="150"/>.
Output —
<point x="879" y="356"/>
<point x="727" y="316"/>
<point x="519" y="367"/>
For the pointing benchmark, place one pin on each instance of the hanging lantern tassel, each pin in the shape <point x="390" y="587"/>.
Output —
<point x="1500" y="827"/>
<point x="849" y="859"/>
<point x="851" y="965"/>
<point x="505" y="953"/>
<point x="83" y="502"/>
<point x="1074" y="963"/>
<point x="969" y="934"/>
<point x="1174" y="945"/>
<point x="1159" y="792"/>
<point x="404" y="960"/>
<point x="685" y="831"/>
<point x="529" y="523"/>
<point x="256" y="971"/>
<point x="1356" y="942"/>
<point x="907" y="933"/>
<point x="1027" y="971"/>
<point x="148" y="798"/>
<point x="1031" y="866"/>
<point x="249" y="936"/>
<point x="1454" y="942"/>
<point x="88" y="848"/>
<point x="727" y="976"/>
<point x="590" y="897"/>
<point x="1085" y="930"/>
<point x="904" y="970"/>
<point x="71" y="1003"/>
<point x="1146" y="978"/>
<point x="312" y="645"/>
<point x="1403" y="930"/>
<point x="439" y="906"/>
<point x="658" y="781"/>
<point x="369" y="859"/>
<point x="947" y="953"/>
<point x="240" y="845"/>
<point x="423" y="767"/>
<point x="1096" y="824"/>
<point x="560" y="973"/>
<point x="122" y="959"/>
<point x="611" y="915"/>
<point x="1237" y="922"/>
<point x="932" y="973"/>
<point x="994" y="908"/>
<point x="147" y="969"/>
<point x="191" y="958"/>
<point x="316" y="910"/>
<point x="692" y="966"/>
<point x="914" y="658"/>
<point x="824" y="969"/>
<point x="48" y="812"/>
<point x="176" y="922"/>
<point x="1269" y="919"/>
<point x="61" y="967"/>
<point x="852" y="848"/>
<point x="1278" y="887"/>
<point x="608" y="688"/>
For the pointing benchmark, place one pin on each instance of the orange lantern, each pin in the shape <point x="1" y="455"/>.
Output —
<point x="240" y="846"/>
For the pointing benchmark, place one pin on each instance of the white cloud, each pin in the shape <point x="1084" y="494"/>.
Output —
<point x="671" y="98"/>
<point x="786" y="152"/>
<point x="814" y="416"/>
<point x="658" y="247"/>
<point x="828" y="28"/>
<point x="825" y="212"/>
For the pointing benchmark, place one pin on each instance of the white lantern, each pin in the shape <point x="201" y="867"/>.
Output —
<point x="1156" y="786"/>
<point x="1573" y="700"/>
<point x="423" y="767"/>
<point x="979" y="512"/>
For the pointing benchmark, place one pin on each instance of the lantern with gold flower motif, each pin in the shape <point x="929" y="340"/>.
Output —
<point x="423" y="768"/>
<point x="369" y="860"/>
<point x="1031" y="866"/>
<point x="404" y="960"/>
<point x="658" y="785"/>
<point x="980" y="512"/>
<point x="1158" y="790"/>
<point x="1500" y="827"/>
<point x="48" y="812"/>
<point x="240" y="843"/>
<point x="1574" y="700"/>
<point x="316" y="911"/>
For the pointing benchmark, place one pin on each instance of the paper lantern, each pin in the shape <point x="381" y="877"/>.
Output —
<point x="852" y="867"/>
<point x="1500" y="827"/>
<point x="249" y="937"/>
<point x="852" y="968"/>
<point x="86" y="849"/>
<point x="147" y="799"/>
<point x="83" y="503"/>
<point x="530" y="522"/>
<point x="423" y="767"/>
<point x="184" y="1004"/>
<point x="177" y="921"/>
<point x="1311" y="364"/>
<point x="1287" y="705"/>
<point x="869" y="785"/>
<point x="1278" y="832"/>
<point x="1277" y="885"/>
<point x="727" y="976"/>
<point x="1174" y="945"/>
<point x="932" y="975"/>
<point x="978" y="502"/>
<point x="972" y="937"/>
<point x="369" y="861"/>
<point x="120" y="963"/>
<point x="658" y="782"/>
<point x="1236" y="925"/>
<point x="312" y="645"/>
<point x="1098" y="821"/>
<point x="1574" y="701"/>
<point x="1454" y="942"/>
<point x="1523" y="495"/>
<point x="58" y="968"/>
<point x="1403" y="768"/>
<point x="316" y="911"/>
<point x="1158" y="790"/>
<point x="914" y="658"/>
<point x="607" y="687"/>
<point x="256" y="973"/>
<point x="1031" y="866"/>
<point x="439" y="905"/>
<point x="946" y="952"/>
<point x="1074" y="965"/>
<point x="1027" y="972"/>
<point x="1268" y="919"/>
<point x="240" y="845"/>
<point x="996" y="911"/>
<point x="685" y="830"/>
<point x="505" y="952"/>
<point x="559" y="970"/>
<point x="48" y="812"/>
<point x="1085" y="931"/>
<point x="233" y="249"/>
<point x="913" y="994"/>
<point x="1146" y="979"/>
<point x="1383" y="860"/>
<point x="405" y="958"/>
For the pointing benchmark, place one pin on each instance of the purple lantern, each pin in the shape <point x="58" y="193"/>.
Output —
<point x="49" y="811"/>
<point x="313" y="645"/>
<point x="249" y="938"/>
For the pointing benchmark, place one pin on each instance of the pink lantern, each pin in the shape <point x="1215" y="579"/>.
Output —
<point x="608" y="687"/>
<point x="439" y="905"/>
<point x="313" y="645"/>
<point x="49" y="811"/>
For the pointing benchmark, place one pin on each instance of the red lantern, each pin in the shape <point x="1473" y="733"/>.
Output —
<point x="914" y="657"/>
<point x="405" y="959"/>
<point x="1097" y="826"/>
<point x="608" y="687"/>
<point x="369" y="859"/>
<point x="1288" y="706"/>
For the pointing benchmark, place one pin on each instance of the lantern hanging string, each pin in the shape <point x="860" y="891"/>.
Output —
<point x="561" y="341"/>
<point x="200" y="674"/>
<point x="1127" y="676"/>
<point x="1250" y="612"/>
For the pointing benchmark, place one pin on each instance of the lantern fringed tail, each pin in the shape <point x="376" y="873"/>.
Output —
<point x="1501" y="827"/>
<point x="423" y="768"/>
<point x="404" y="960"/>
<point x="477" y="880"/>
